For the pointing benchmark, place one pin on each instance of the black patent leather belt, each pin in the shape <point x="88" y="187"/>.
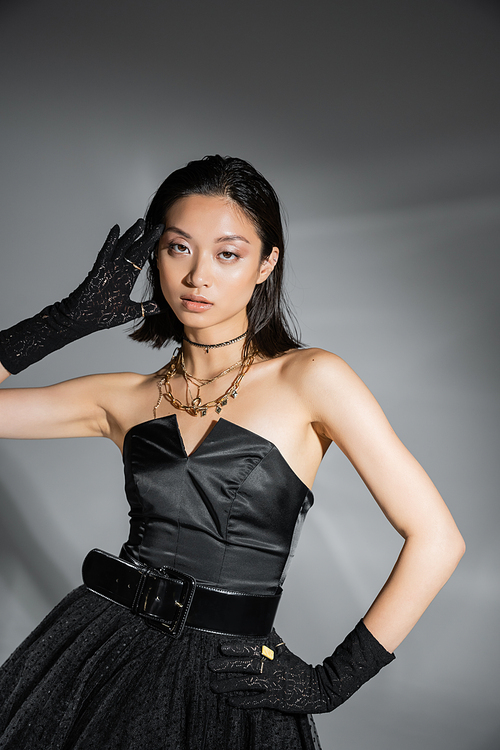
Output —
<point x="170" y="600"/>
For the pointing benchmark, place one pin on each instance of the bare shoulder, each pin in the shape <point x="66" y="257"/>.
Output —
<point x="119" y="381"/>
<point x="328" y="388"/>
<point x="126" y="384"/>
<point x="308" y="367"/>
<point x="101" y="386"/>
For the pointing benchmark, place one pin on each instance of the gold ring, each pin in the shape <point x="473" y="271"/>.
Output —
<point x="133" y="264"/>
<point x="142" y="311"/>
<point x="267" y="652"/>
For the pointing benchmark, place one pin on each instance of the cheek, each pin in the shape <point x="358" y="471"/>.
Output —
<point x="166" y="281"/>
<point x="242" y="289"/>
<point x="241" y="275"/>
<point x="238" y="289"/>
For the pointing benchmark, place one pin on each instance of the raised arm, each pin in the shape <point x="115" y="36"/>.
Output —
<point x="82" y="407"/>
<point x="4" y="374"/>
<point x="74" y="408"/>
<point x="101" y="301"/>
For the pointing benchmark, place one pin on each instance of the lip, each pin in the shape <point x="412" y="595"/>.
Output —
<point x="195" y="303"/>
<point x="196" y="298"/>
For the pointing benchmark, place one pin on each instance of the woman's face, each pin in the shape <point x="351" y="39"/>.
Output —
<point x="209" y="261"/>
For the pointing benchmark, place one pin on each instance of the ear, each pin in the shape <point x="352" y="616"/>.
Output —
<point x="268" y="264"/>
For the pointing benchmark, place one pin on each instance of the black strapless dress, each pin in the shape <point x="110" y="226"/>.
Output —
<point x="94" y="676"/>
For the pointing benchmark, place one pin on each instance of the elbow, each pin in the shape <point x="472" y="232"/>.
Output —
<point x="459" y="546"/>
<point x="455" y="541"/>
<point x="453" y="547"/>
<point x="444" y="545"/>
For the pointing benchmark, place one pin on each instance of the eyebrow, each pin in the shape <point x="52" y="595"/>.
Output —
<point x="227" y="237"/>
<point x="178" y="231"/>
<point x="224" y="238"/>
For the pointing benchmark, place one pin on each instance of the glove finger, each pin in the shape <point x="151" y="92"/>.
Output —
<point x="259" y="700"/>
<point x="238" y="683"/>
<point x="226" y="686"/>
<point x="247" y="666"/>
<point x="155" y="233"/>
<point x="150" y="308"/>
<point x="239" y="648"/>
<point x="140" y="251"/>
<point x="134" y="310"/>
<point x="106" y="252"/>
<point x="128" y="238"/>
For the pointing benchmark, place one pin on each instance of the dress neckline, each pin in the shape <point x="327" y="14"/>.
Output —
<point x="201" y="444"/>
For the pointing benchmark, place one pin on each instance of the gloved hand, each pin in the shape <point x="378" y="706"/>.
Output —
<point x="101" y="301"/>
<point x="288" y="684"/>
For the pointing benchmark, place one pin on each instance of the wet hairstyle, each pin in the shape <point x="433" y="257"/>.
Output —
<point x="271" y="326"/>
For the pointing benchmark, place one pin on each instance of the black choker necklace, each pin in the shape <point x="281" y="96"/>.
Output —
<point x="214" y="346"/>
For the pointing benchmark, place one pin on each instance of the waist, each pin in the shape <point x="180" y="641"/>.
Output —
<point x="240" y="562"/>
<point x="170" y="600"/>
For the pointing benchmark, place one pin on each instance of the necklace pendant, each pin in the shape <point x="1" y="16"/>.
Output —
<point x="195" y="407"/>
<point x="206" y="350"/>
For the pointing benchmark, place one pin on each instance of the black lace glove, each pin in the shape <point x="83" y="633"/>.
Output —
<point x="288" y="684"/>
<point x="101" y="301"/>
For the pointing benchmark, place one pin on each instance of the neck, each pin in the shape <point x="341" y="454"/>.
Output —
<point x="205" y="364"/>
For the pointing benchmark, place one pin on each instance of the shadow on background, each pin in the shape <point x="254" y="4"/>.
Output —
<point x="30" y="581"/>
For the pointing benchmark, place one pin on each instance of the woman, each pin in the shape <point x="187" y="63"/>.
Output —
<point x="171" y="645"/>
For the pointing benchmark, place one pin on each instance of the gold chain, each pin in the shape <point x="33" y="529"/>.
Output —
<point x="200" y="382"/>
<point x="196" y="407"/>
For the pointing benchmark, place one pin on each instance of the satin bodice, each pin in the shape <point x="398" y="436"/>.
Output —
<point x="228" y="514"/>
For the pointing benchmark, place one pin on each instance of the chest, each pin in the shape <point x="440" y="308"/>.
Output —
<point x="266" y="405"/>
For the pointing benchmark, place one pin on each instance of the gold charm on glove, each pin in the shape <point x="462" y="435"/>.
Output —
<point x="267" y="652"/>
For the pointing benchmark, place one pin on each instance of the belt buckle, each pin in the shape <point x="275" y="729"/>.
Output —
<point x="183" y="601"/>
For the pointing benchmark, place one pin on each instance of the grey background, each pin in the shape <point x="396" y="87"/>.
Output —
<point x="378" y="124"/>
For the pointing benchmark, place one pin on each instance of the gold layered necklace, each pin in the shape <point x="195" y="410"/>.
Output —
<point x="195" y="408"/>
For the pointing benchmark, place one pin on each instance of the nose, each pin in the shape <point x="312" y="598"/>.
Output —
<point x="199" y="274"/>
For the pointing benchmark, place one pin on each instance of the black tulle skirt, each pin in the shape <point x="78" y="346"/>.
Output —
<point x="93" y="676"/>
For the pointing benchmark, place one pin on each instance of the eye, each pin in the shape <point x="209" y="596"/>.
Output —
<point x="228" y="255"/>
<point x="177" y="248"/>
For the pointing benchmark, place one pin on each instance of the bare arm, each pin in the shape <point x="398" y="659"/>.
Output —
<point x="3" y="373"/>
<point x="74" y="408"/>
<point x="433" y="546"/>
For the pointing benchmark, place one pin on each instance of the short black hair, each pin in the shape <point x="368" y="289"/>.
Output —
<point x="272" y="329"/>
